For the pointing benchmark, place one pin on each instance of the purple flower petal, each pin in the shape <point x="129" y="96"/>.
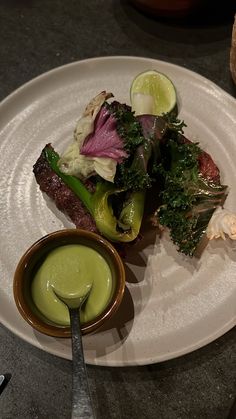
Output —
<point x="104" y="141"/>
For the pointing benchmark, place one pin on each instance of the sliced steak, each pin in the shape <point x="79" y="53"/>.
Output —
<point x="65" y="200"/>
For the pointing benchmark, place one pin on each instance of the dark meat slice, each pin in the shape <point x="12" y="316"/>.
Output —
<point x="65" y="200"/>
<point x="207" y="166"/>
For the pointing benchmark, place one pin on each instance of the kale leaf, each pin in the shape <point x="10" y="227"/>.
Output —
<point x="132" y="173"/>
<point x="188" y="199"/>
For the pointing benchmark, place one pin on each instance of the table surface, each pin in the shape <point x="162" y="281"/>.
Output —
<point x="37" y="36"/>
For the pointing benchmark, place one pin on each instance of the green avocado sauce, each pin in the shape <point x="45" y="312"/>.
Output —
<point x="68" y="269"/>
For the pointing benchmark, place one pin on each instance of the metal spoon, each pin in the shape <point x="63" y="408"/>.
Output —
<point x="4" y="378"/>
<point x="81" y="401"/>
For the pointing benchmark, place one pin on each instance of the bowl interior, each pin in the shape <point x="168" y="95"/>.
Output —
<point x="33" y="258"/>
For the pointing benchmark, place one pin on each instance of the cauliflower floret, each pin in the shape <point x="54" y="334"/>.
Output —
<point x="223" y="222"/>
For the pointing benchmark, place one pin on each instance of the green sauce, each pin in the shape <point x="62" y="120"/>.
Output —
<point x="70" y="268"/>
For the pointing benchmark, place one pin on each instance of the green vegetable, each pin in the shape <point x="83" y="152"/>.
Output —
<point x="131" y="173"/>
<point x="135" y="175"/>
<point x="126" y="227"/>
<point x="164" y="158"/>
<point x="188" y="199"/>
<point x="128" y="190"/>
<point x="128" y="127"/>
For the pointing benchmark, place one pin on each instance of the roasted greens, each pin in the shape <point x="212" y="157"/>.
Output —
<point x="125" y="157"/>
<point x="188" y="199"/>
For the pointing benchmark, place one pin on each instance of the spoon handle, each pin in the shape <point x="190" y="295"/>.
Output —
<point x="81" y="401"/>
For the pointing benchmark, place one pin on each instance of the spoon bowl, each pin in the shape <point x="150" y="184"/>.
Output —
<point x="74" y="300"/>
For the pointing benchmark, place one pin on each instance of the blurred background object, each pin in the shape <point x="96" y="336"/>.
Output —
<point x="168" y="8"/>
<point x="182" y="8"/>
<point x="233" y="52"/>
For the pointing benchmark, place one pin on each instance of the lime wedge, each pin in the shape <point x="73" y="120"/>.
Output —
<point x="152" y="93"/>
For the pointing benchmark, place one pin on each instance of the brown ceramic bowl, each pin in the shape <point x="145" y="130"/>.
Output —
<point x="32" y="259"/>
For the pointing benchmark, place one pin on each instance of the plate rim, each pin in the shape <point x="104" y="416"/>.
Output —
<point x="104" y="58"/>
<point x="142" y="361"/>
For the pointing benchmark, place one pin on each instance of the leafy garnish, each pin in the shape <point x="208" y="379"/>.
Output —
<point x="132" y="173"/>
<point x="132" y="178"/>
<point x="128" y="126"/>
<point x="174" y="123"/>
<point x="188" y="199"/>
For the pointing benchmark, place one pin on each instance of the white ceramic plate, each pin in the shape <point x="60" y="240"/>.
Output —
<point x="173" y="304"/>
